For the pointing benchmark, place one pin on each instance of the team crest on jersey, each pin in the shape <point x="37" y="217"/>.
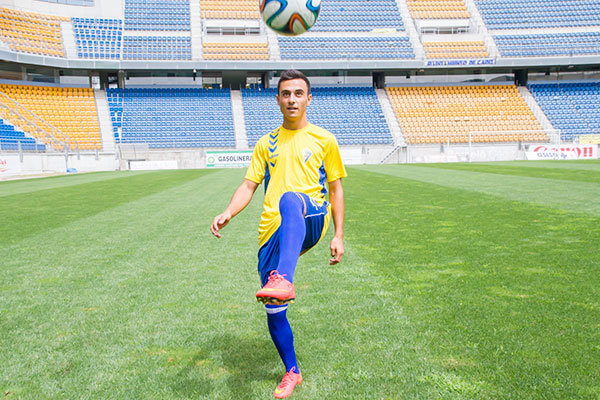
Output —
<point x="306" y="153"/>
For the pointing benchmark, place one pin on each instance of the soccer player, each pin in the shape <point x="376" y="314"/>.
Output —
<point x="299" y="164"/>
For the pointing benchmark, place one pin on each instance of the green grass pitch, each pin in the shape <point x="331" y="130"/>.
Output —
<point x="460" y="281"/>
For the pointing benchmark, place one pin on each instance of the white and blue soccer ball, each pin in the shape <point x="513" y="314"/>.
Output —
<point x="290" y="17"/>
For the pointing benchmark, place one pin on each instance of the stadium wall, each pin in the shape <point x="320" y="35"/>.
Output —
<point x="15" y="165"/>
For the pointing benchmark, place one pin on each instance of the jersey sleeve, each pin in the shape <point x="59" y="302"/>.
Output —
<point x="258" y="164"/>
<point x="334" y="167"/>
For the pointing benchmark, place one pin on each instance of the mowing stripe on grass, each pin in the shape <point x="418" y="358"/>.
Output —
<point x="567" y="174"/>
<point x="29" y="213"/>
<point x="8" y="188"/>
<point x="583" y="165"/>
<point x="554" y="193"/>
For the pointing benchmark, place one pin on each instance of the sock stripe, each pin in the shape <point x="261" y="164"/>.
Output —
<point x="275" y="310"/>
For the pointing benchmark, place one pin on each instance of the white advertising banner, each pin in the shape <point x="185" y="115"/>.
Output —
<point x="563" y="152"/>
<point x="152" y="165"/>
<point x="228" y="159"/>
<point x="10" y="165"/>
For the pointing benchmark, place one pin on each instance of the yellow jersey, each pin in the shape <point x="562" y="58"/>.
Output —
<point x="301" y="160"/>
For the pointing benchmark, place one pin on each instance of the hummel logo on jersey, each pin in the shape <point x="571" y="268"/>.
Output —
<point x="306" y="153"/>
<point x="273" y="138"/>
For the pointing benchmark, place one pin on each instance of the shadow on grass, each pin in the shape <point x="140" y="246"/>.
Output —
<point x="245" y="361"/>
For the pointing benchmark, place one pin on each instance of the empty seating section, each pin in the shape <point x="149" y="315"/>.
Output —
<point x="72" y="2"/>
<point x="157" y="48"/>
<point x="234" y="9"/>
<point x="352" y="114"/>
<point x="356" y="15"/>
<point x="548" y="44"/>
<point x="572" y="108"/>
<point x="71" y="111"/>
<point x="98" y="38"/>
<point x="15" y="139"/>
<point x="528" y="14"/>
<point x="157" y="15"/>
<point x="33" y="33"/>
<point x="355" y="48"/>
<point x="463" y="49"/>
<point x="438" y="114"/>
<point x="173" y="117"/>
<point x="438" y="9"/>
<point x="235" y="51"/>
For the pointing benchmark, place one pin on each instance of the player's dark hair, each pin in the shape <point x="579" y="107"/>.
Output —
<point x="291" y="74"/>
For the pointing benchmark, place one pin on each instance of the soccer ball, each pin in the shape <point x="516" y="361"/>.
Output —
<point x="290" y="17"/>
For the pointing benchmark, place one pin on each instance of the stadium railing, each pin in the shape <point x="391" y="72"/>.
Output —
<point x="31" y="124"/>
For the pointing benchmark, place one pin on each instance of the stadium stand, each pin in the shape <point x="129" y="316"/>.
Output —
<point x="88" y="3"/>
<point x="33" y="33"/>
<point x="157" y="48"/>
<point x="235" y="51"/>
<point x="529" y="14"/>
<point x="438" y="9"/>
<point x="15" y="139"/>
<point x="438" y="114"/>
<point x="335" y="48"/>
<point x="352" y="114"/>
<point x="157" y="15"/>
<point x="548" y="44"/>
<point x="71" y="111"/>
<point x="98" y="38"/>
<point x="172" y="117"/>
<point x="234" y="9"/>
<point x="456" y="49"/>
<point x="352" y="15"/>
<point x="571" y="107"/>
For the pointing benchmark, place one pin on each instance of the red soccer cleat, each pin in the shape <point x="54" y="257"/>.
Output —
<point x="288" y="383"/>
<point x="278" y="290"/>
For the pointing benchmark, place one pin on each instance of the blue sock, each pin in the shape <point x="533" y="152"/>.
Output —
<point x="281" y="334"/>
<point x="291" y="233"/>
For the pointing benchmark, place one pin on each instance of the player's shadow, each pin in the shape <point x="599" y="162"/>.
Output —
<point x="245" y="361"/>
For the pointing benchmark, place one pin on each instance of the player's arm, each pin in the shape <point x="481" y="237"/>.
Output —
<point x="240" y="199"/>
<point x="336" y="198"/>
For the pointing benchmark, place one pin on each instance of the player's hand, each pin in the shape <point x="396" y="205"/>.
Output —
<point x="337" y="250"/>
<point x="219" y="222"/>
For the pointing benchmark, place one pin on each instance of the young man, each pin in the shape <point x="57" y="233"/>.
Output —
<point x="297" y="162"/>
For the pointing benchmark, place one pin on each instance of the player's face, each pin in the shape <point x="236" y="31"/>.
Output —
<point x="293" y="98"/>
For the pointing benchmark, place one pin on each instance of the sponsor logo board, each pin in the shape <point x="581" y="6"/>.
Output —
<point x="566" y="152"/>
<point x="228" y="159"/>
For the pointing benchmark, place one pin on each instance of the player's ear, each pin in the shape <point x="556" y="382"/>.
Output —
<point x="309" y="98"/>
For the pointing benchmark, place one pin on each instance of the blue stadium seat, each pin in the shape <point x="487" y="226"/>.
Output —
<point x="571" y="107"/>
<point x="157" y="15"/>
<point x="357" y="16"/>
<point x="512" y="14"/>
<point x="548" y="44"/>
<point x="352" y="114"/>
<point x="172" y="117"/>
<point x="98" y="38"/>
<point x="12" y="139"/>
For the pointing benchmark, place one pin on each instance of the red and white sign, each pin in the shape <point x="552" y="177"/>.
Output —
<point x="563" y="152"/>
<point x="10" y="165"/>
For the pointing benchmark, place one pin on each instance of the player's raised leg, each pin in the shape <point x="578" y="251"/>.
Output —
<point x="291" y="233"/>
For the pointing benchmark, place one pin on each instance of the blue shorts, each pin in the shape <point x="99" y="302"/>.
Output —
<point x="268" y="254"/>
